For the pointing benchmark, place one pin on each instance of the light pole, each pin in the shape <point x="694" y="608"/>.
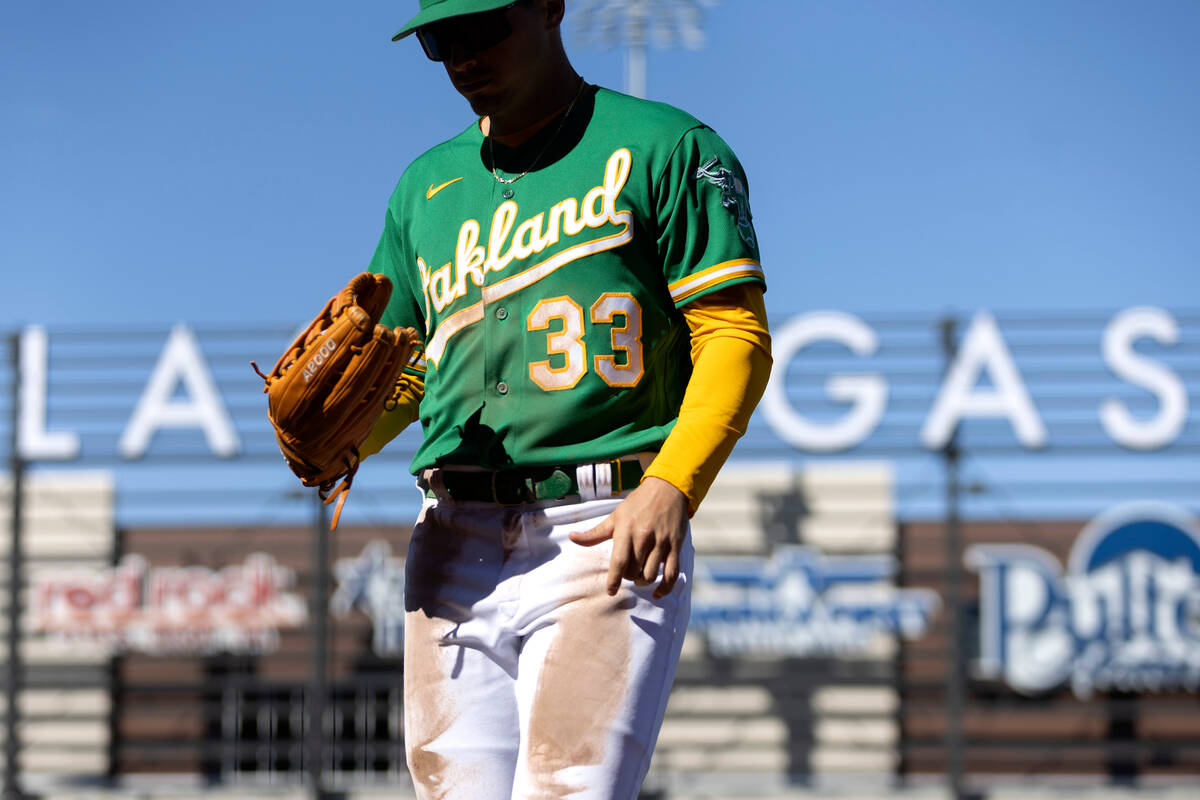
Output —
<point x="634" y="23"/>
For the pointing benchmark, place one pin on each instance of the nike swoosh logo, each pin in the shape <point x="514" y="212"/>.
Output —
<point x="432" y="190"/>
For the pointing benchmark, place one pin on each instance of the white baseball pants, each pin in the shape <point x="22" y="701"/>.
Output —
<point x="523" y="678"/>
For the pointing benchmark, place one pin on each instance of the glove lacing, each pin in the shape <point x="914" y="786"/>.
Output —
<point x="328" y="494"/>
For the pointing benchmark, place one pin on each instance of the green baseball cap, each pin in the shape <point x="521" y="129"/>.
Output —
<point x="435" y="10"/>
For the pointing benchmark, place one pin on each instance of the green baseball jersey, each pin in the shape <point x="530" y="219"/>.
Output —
<point x="550" y="305"/>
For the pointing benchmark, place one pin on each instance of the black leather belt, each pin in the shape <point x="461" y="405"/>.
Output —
<point x="510" y="487"/>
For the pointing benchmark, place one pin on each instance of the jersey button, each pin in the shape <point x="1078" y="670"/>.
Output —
<point x="502" y="387"/>
<point x="508" y="194"/>
<point x="501" y="313"/>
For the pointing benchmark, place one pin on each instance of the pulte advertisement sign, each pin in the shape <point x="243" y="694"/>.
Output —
<point x="1123" y="615"/>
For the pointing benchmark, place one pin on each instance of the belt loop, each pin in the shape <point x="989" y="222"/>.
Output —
<point x="604" y="479"/>
<point x="433" y="479"/>
<point x="585" y="479"/>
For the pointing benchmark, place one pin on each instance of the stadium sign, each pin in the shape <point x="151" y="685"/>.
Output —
<point x="798" y="603"/>
<point x="1125" y="615"/>
<point x="180" y="393"/>
<point x="169" y="610"/>
<point x="983" y="381"/>
<point x="964" y="394"/>
<point x="803" y="603"/>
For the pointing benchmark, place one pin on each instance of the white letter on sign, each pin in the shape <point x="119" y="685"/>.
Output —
<point x="1123" y="427"/>
<point x="983" y="348"/>
<point x="181" y="360"/>
<point x="33" y="440"/>
<point x="867" y="393"/>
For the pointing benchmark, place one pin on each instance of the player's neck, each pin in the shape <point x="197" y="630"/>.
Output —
<point x="518" y="138"/>
<point x="515" y="127"/>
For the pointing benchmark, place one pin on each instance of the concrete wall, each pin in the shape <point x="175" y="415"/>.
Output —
<point x="65" y="705"/>
<point x="775" y="719"/>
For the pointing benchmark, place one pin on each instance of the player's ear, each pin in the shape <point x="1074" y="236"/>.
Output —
<point x="553" y="11"/>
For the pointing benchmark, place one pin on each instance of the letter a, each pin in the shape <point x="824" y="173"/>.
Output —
<point x="181" y="360"/>
<point x="982" y="349"/>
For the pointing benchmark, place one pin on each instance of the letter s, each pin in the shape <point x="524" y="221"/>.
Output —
<point x="1125" y="429"/>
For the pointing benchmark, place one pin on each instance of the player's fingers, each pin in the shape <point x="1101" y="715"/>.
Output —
<point x="596" y="535"/>
<point x="644" y="545"/>
<point x="617" y="565"/>
<point x="642" y="551"/>
<point x="670" y="575"/>
<point x="655" y="560"/>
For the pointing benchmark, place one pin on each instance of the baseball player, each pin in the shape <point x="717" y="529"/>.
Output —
<point x="584" y="271"/>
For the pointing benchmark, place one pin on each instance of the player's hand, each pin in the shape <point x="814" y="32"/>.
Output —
<point x="648" y="530"/>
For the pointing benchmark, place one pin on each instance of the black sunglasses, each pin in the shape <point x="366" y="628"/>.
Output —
<point x="473" y="33"/>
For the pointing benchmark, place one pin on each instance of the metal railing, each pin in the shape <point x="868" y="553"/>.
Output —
<point x="95" y="384"/>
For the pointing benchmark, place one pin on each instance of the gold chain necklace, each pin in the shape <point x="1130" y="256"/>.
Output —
<point x="545" y="147"/>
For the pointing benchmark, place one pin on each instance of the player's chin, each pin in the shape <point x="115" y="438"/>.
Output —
<point x="486" y="100"/>
<point x="478" y="105"/>
<point x="481" y="108"/>
<point x="480" y="94"/>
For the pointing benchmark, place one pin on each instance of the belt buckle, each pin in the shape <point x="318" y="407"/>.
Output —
<point x="616" y="476"/>
<point x="525" y="493"/>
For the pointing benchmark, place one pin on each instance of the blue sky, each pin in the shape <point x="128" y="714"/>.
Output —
<point x="224" y="162"/>
<point x="212" y="162"/>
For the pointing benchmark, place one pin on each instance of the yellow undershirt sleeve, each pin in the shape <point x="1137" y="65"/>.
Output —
<point x="731" y="362"/>
<point x="403" y="409"/>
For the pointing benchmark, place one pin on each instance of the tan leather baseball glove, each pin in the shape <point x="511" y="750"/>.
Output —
<point x="329" y="386"/>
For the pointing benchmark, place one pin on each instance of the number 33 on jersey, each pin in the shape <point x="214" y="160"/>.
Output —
<point x="550" y="305"/>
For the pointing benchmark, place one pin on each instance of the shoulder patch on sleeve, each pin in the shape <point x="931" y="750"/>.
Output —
<point x="733" y="195"/>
